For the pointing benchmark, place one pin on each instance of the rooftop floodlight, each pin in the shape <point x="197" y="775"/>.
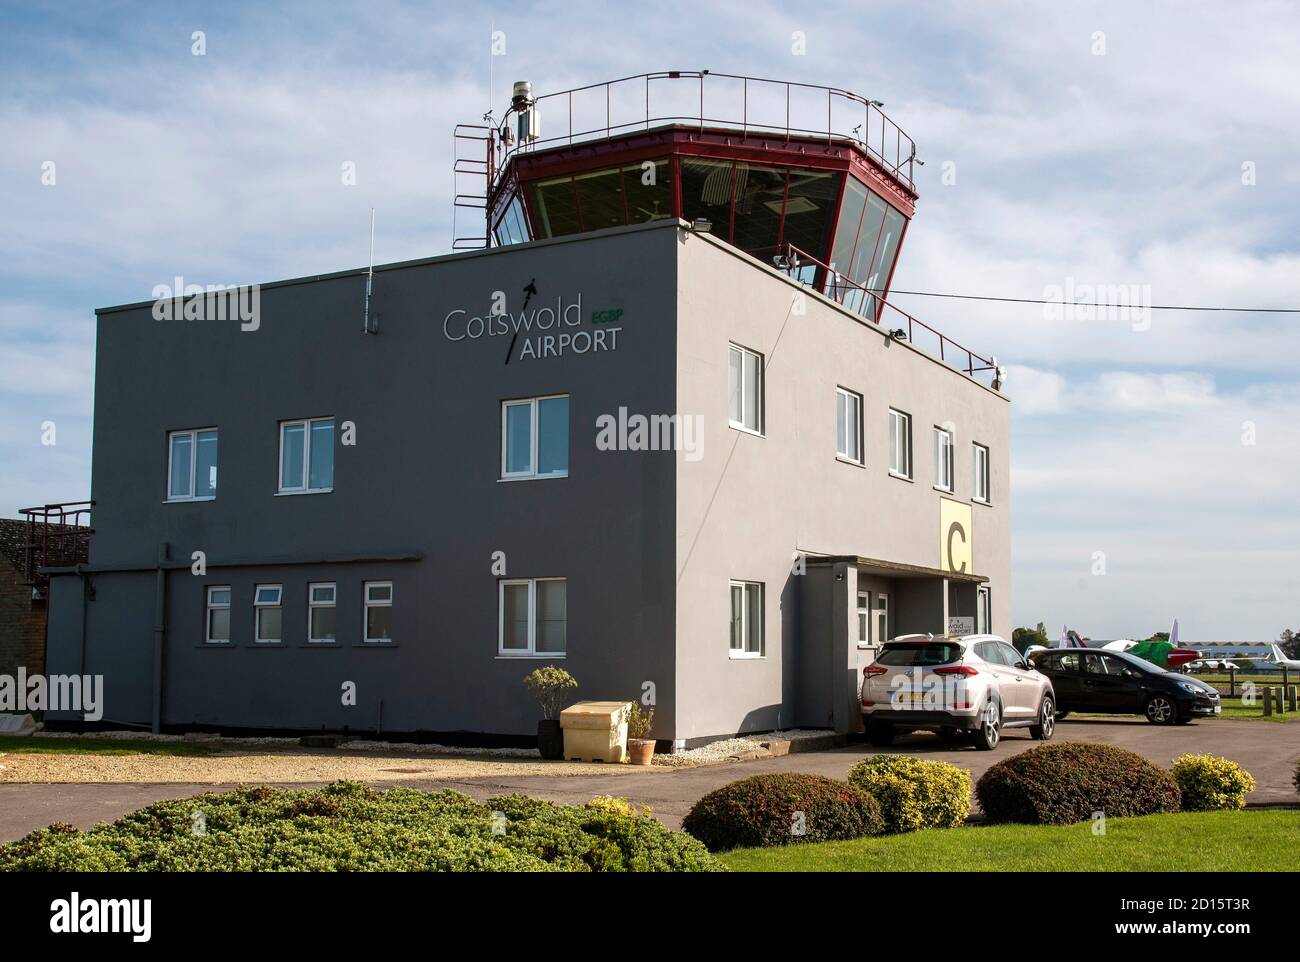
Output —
<point x="702" y="225"/>
<point x="876" y="103"/>
<point x="781" y="262"/>
<point x="898" y="334"/>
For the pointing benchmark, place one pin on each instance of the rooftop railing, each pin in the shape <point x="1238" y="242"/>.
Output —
<point x="717" y="100"/>
<point x="821" y="277"/>
<point x="58" y="535"/>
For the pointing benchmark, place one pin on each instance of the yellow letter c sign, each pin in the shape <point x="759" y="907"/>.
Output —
<point x="955" y="537"/>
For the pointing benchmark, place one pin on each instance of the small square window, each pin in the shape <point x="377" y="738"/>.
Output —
<point x="192" y="465"/>
<point x="535" y="438"/>
<point x="307" y="456"/>
<point x="533" y="617"/>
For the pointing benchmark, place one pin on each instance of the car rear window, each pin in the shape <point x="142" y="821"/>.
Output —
<point x="919" y="653"/>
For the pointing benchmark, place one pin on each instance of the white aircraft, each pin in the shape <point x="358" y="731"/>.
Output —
<point x="1282" y="661"/>
<point x="1214" y="664"/>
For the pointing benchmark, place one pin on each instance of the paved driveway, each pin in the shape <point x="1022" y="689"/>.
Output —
<point x="1269" y="751"/>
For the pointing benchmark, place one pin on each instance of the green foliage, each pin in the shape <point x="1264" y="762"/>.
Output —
<point x="782" y="809"/>
<point x="1296" y="780"/>
<point x="914" y="792"/>
<point x="1057" y="784"/>
<point x="351" y="827"/>
<point x="1022" y="638"/>
<point x="1209" y="782"/>
<point x="640" y="721"/>
<point x="548" y="686"/>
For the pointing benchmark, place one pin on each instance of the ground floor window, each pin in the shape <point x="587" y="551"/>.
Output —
<point x="320" y="613"/>
<point x="864" y="619"/>
<point x="217" y="617"/>
<point x="882" y="617"/>
<point x="746" y="619"/>
<point x="379" y="612"/>
<point x="533" y="617"/>
<point x="984" y="612"/>
<point x="268" y="620"/>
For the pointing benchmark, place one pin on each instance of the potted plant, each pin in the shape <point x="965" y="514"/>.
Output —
<point x="640" y="746"/>
<point x="548" y="686"/>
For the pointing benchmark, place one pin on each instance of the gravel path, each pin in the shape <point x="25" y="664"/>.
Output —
<point x="285" y="765"/>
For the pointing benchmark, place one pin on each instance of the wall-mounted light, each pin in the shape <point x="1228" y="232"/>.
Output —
<point x="702" y="225"/>
<point x="898" y="334"/>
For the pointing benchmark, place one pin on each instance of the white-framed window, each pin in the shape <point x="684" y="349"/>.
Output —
<point x="943" y="459"/>
<point x="216" y="617"/>
<point x="377" y="622"/>
<point x="321" y="613"/>
<point x="881" y="626"/>
<point x="746" y="619"/>
<point x="984" y="611"/>
<point x="745" y="389"/>
<point x="535" y="437"/>
<point x="848" y="425"/>
<point x="533" y="617"/>
<point x="900" y="444"/>
<point x="307" y="456"/>
<point x="268" y="626"/>
<point x="864" y="619"/>
<point x="192" y="465"/>
<point x="981" y="473"/>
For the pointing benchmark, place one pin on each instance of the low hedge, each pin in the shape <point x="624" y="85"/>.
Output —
<point x="1066" y="782"/>
<point x="1209" y="782"/>
<point x="914" y="792"/>
<point x="782" y="809"/>
<point x="350" y="827"/>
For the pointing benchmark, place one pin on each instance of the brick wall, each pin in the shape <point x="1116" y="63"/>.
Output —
<point x="22" y="624"/>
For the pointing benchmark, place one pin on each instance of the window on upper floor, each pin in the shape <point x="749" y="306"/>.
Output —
<point x="307" y="456"/>
<point x="981" y="474"/>
<point x="745" y="389"/>
<point x="535" y="438"/>
<point x="848" y="425"/>
<point x="943" y="479"/>
<point x="900" y="444"/>
<point x="192" y="465"/>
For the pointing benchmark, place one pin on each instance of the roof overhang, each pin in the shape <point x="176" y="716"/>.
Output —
<point x="894" y="569"/>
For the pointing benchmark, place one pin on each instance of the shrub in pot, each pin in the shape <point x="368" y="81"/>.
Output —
<point x="1066" y="782"/>
<point x="782" y="809"/>
<point x="914" y="792"/>
<point x="548" y="686"/>
<point x="640" y="746"/>
<point x="1209" y="782"/>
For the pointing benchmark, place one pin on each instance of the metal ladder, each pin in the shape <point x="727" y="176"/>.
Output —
<point x="473" y="148"/>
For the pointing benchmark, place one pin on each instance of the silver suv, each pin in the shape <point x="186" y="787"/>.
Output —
<point x="975" y="684"/>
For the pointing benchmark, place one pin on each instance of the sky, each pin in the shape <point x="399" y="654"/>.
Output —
<point x="1154" y="465"/>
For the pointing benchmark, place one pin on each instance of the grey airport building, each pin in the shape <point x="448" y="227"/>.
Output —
<point x="660" y="426"/>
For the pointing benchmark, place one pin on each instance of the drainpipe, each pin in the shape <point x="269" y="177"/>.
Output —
<point x="159" y="634"/>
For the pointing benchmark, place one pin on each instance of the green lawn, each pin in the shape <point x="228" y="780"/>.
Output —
<point x="1258" y="840"/>
<point x="97" y="746"/>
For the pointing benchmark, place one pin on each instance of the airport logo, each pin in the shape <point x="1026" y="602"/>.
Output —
<point x="544" y="331"/>
<point x="75" y="916"/>
<point x="23" y="693"/>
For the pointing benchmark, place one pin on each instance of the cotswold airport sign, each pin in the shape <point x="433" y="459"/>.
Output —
<point x="544" y="331"/>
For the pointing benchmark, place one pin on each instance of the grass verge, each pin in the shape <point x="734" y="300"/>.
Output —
<point x="1255" y="840"/>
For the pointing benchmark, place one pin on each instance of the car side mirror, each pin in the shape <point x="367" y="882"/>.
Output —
<point x="1027" y="665"/>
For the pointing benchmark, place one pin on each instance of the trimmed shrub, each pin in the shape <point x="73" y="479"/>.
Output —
<point x="1063" y="783"/>
<point x="1296" y="781"/>
<point x="1209" y="782"/>
<point x="350" y="827"/>
<point x="914" y="792"/>
<point x="781" y="809"/>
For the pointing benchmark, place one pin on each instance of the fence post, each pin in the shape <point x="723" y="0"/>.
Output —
<point x="1291" y="698"/>
<point x="1232" y="682"/>
<point x="1268" y="701"/>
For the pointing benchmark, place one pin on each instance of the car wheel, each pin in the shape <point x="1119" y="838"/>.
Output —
<point x="1046" y="720"/>
<point x="1160" y="710"/>
<point x="880" y="734"/>
<point x="990" y="730"/>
